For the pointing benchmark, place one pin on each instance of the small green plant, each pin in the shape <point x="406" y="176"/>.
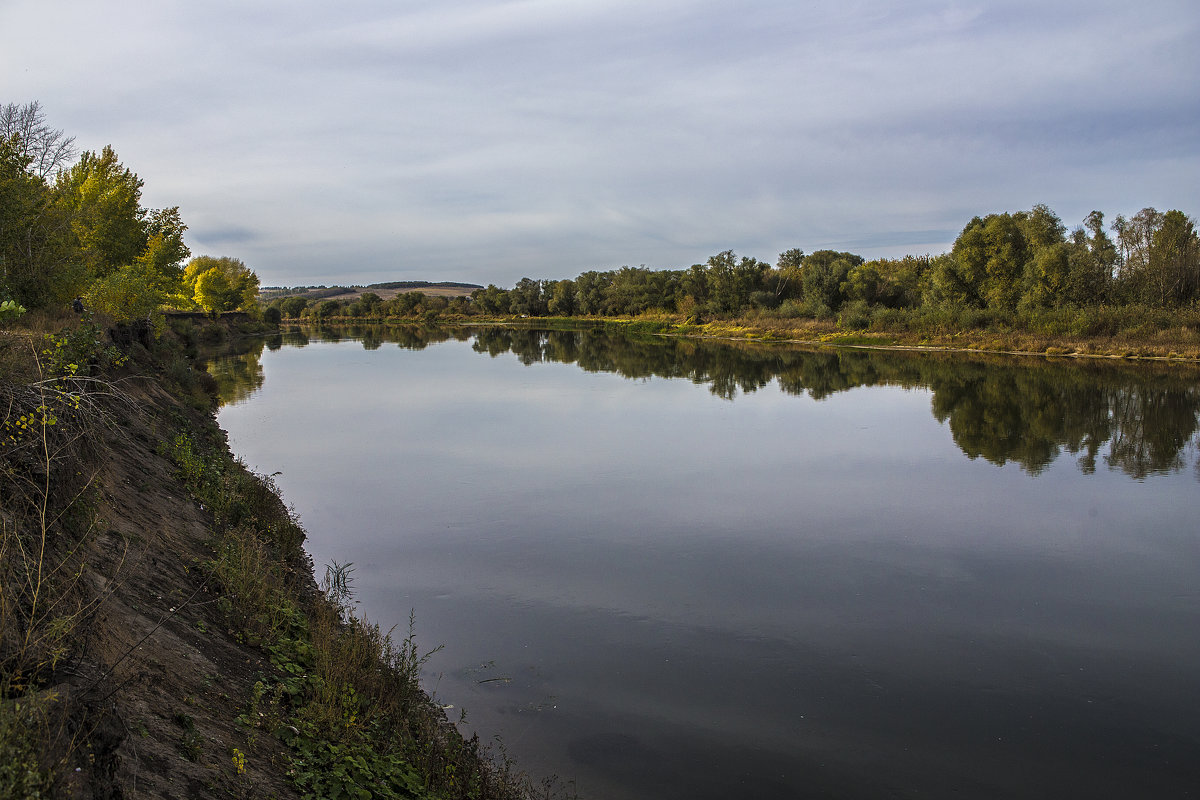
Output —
<point x="191" y="743"/>
<point x="80" y="351"/>
<point x="21" y="773"/>
<point x="10" y="310"/>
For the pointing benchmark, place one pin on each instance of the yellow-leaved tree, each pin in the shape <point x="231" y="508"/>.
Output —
<point x="221" y="284"/>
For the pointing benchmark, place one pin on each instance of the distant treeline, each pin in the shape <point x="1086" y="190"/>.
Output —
<point x="1001" y="267"/>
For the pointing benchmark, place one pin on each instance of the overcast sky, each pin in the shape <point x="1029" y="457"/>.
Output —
<point x="373" y="140"/>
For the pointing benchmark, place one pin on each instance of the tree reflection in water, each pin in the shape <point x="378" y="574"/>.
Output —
<point x="1138" y="418"/>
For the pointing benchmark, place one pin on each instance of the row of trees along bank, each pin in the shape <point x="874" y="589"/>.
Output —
<point x="1002" y="262"/>
<point x="76" y="228"/>
<point x="1009" y="266"/>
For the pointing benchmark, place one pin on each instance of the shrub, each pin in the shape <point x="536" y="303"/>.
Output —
<point x="855" y="315"/>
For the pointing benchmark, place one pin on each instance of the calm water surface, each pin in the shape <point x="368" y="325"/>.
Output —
<point x="672" y="569"/>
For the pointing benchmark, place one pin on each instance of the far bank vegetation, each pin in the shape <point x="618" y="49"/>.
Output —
<point x="1013" y="280"/>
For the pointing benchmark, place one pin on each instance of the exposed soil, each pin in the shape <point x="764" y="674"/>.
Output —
<point x="144" y="703"/>
<point x="157" y="665"/>
<point x="151" y="690"/>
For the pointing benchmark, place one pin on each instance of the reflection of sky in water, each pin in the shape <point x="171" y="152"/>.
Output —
<point x="659" y="570"/>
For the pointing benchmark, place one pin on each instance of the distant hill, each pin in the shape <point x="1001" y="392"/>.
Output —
<point x="469" y="287"/>
<point x="385" y="290"/>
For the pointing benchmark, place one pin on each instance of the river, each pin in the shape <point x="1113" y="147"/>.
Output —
<point x="665" y="568"/>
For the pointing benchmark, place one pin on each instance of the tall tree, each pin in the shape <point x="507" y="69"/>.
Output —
<point x="990" y="257"/>
<point x="731" y="281"/>
<point x="1135" y="238"/>
<point x="785" y="281"/>
<point x="103" y="198"/>
<point x="527" y="298"/>
<point x="38" y="263"/>
<point x="1173" y="275"/>
<point x="562" y="298"/>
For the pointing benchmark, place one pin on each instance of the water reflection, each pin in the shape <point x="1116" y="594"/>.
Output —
<point x="799" y="593"/>
<point x="1140" y="419"/>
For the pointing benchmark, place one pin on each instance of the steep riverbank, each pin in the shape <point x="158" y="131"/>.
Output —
<point x="161" y="630"/>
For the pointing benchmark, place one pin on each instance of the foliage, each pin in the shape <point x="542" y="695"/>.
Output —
<point x="324" y="769"/>
<point x="37" y="263"/>
<point x="10" y="310"/>
<point x="22" y="775"/>
<point x="132" y="292"/>
<point x="104" y="200"/>
<point x="1002" y="271"/>
<point x="79" y="230"/>
<point x="292" y="306"/>
<point x="78" y="351"/>
<point x="221" y="284"/>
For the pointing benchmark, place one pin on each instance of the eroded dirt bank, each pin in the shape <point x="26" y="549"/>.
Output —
<point x="161" y="632"/>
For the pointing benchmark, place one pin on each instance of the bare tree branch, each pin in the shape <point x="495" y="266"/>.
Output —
<point x="48" y="150"/>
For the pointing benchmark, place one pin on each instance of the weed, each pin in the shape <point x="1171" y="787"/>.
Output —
<point x="239" y="761"/>
<point x="191" y="743"/>
<point x="22" y="773"/>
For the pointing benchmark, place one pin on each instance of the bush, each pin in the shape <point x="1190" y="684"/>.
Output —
<point x="855" y="315"/>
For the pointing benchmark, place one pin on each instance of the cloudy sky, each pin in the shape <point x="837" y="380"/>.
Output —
<point x="487" y="140"/>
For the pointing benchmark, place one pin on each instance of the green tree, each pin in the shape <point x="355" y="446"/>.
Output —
<point x="990" y="257"/>
<point x="370" y="301"/>
<point x="132" y="292"/>
<point x="1135" y="239"/>
<point x="1173" y="276"/>
<point x="405" y="304"/>
<point x="824" y="276"/>
<point x="38" y="263"/>
<point x="1093" y="262"/>
<point x="732" y="281"/>
<point x="1049" y="275"/>
<point x="103" y="199"/>
<point x="785" y="280"/>
<point x="221" y="284"/>
<point x="291" y="307"/>
<point x="562" y="298"/>
<point x="864" y="283"/>
<point x="903" y="282"/>
<point x="591" y="292"/>
<point x="695" y="284"/>
<point x="165" y="251"/>
<point x="527" y="298"/>
<point x="492" y="300"/>
<point x="1041" y="226"/>
<point x="326" y="309"/>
